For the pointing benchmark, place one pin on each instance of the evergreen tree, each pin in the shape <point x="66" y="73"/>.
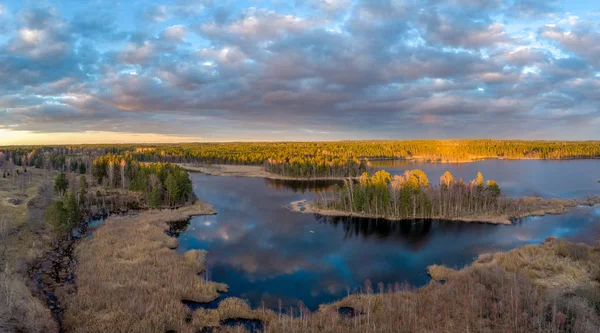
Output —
<point x="154" y="198"/>
<point x="173" y="189"/>
<point x="73" y="213"/>
<point x="82" y="168"/>
<point x="61" y="184"/>
<point x="56" y="216"/>
<point x="83" y="190"/>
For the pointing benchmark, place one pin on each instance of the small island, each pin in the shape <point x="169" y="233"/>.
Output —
<point x="410" y="196"/>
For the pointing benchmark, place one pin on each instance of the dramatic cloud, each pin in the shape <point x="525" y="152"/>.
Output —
<point x="318" y="69"/>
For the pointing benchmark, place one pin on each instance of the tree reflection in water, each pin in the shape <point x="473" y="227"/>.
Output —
<point x="415" y="232"/>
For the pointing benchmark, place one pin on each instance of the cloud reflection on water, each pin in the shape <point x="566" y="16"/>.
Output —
<point x="265" y="252"/>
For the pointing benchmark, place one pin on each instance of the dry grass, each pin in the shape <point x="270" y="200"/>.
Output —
<point x="440" y="273"/>
<point x="27" y="238"/>
<point x="556" y="263"/>
<point x="551" y="288"/>
<point x="129" y="279"/>
<point x="19" y="310"/>
<point x="230" y="308"/>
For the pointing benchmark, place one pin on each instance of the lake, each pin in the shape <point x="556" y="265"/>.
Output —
<point x="267" y="254"/>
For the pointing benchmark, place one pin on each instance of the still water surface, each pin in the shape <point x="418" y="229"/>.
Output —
<point x="266" y="253"/>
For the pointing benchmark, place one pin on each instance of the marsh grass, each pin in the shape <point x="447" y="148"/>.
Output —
<point x="555" y="263"/>
<point x="130" y="280"/>
<point x="550" y="287"/>
<point x="19" y="310"/>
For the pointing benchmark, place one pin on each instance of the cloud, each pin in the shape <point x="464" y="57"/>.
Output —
<point x="339" y="69"/>
<point x="533" y="8"/>
<point x="583" y="39"/>
<point x="157" y="13"/>
<point x="257" y="25"/>
<point x="461" y="32"/>
<point x="42" y="35"/>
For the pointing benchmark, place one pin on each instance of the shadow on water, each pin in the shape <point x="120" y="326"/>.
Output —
<point x="251" y="325"/>
<point x="301" y="186"/>
<point x="247" y="325"/>
<point x="194" y="306"/>
<point x="413" y="230"/>
<point x="177" y="228"/>
<point x="347" y="312"/>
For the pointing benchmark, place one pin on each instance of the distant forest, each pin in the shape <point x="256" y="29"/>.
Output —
<point x="302" y="159"/>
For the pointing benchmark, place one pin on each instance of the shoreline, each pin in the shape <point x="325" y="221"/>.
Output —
<point x="258" y="171"/>
<point x="134" y="255"/>
<point x="423" y="159"/>
<point x="537" y="207"/>
<point x="251" y="171"/>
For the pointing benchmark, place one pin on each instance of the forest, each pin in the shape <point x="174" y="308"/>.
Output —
<point x="411" y="195"/>
<point x="301" y="159"/>
<point x="160" y="184"/>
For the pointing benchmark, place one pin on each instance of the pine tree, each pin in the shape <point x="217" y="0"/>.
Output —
<point x="154" y="198"/>
<point x="72" y="211"/>
<point x="83" y="189"/>
<point x="173" y="190"/>
<point x="61" y="184"/>
<point x="56" y="216"/>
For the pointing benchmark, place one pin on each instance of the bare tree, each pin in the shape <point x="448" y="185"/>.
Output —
<point x="22" y="177"/>
<point x="111" y="173"/>
<point x="6" y="227"/>
<point x="123" y="165"/>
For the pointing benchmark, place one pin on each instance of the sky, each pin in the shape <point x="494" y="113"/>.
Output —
<point x="102" y="71"/>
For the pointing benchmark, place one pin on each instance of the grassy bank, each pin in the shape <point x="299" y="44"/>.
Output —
<point x="130" y="280"/>
<point x="527" y="206"/>
<point x="552" y="287"/>
<point x="23" y="238"/>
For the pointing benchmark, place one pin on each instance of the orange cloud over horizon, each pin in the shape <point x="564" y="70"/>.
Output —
<point x="12" y="137"/>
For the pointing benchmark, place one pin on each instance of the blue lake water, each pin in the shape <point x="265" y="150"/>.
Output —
<point x="268" y="254"/>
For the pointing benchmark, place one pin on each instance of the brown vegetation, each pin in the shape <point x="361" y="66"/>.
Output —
<point x="544" y="288"/>
<point x="129" y="279"/>
<point x="23" y="238"/>
<point x="557" y="263"/>
<point x="19" y="310"/>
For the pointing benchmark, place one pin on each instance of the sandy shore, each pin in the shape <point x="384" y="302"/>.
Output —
<point x="244" y="171"/>
<point x="533" y="207"/>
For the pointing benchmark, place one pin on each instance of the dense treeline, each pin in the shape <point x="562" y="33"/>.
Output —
<point x="303" y="159"/>
<point x="412" y="196"/>
<point x="156" y="185"/>
<point x="318" y="166"/>
<point x="161" y="184"/>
